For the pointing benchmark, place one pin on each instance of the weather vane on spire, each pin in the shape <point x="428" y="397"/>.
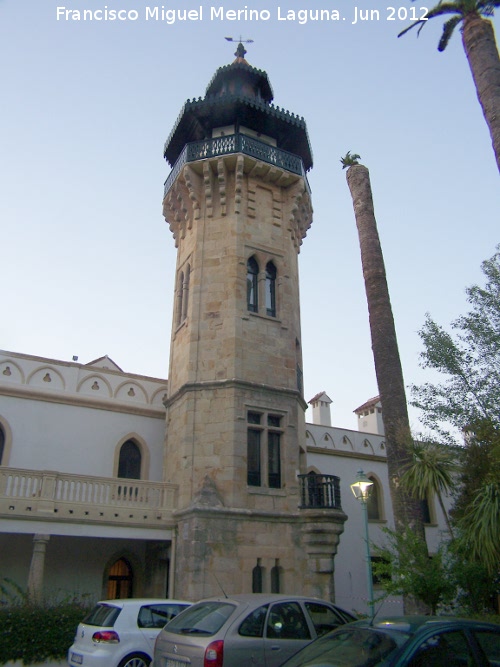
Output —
<point x="240" y="51"/>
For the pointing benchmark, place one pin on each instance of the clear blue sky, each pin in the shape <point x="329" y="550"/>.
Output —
<point x="88" y="262"/>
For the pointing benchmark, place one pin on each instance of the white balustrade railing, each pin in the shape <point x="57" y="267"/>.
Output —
<point x="49" y="491"/>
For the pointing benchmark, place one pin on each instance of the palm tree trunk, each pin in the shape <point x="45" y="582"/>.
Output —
<point x="407" y="510"/>
<point x="478" y="39"/>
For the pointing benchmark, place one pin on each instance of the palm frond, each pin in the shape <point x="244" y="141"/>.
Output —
<point x="487" y="7"/>
<point x="349" y="160"/>
<point x="448" y="29"/>
<point x="440" y="9"/>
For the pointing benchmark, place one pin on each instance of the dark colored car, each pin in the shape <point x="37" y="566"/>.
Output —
<point x="406" y="641"/>
<point x="254" y="630"/>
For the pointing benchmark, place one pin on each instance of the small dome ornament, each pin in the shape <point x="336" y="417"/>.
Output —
<point x="240" y="49"/>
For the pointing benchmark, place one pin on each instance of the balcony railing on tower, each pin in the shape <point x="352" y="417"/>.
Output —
<point x="319" y="491"/>
<point x="236" y="143"/>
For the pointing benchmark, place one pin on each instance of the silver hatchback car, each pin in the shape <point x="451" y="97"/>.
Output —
<point x="245" y="631"/>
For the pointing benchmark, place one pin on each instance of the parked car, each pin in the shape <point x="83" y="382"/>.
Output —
<point x="407" y="641"/>
<point x="253" y="630"/>
<point x="121" y="633"/>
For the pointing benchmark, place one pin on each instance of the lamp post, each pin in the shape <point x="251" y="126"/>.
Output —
<point x="361" y="489"/>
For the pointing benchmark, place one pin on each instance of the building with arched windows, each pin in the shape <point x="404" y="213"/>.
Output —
<point x="213" y="479"/>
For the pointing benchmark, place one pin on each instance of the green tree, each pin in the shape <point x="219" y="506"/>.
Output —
<point x="469" y="400"/>
<point x="469" y="362"/>
<point x="431" y="472"/>
<point x="478" y="40"/>
<point x="403" y="567"/>
<point x="480" y="527"/>
<point x="407" y="510"/>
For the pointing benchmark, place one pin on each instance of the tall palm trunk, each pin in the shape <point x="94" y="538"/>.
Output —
<point x="478" y="38"/>
<point x="407" y="510"/>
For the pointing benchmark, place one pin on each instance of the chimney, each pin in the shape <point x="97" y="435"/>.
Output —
<point x="321" y="409"/>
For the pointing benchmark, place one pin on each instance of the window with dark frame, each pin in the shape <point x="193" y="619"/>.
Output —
<point x="373" y="504"/>
<point x="257" y="577"/>
<point x="253" y="457"/>
<point x="264" y="450"/>
<point x="129" y="463"/>
<point x="270" y="289"/>
<point x="252" y="285"/>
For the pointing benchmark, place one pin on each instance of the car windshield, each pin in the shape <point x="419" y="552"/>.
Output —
<point x="349" y="647"/>
<point x="205" y="618"/>
<point x="103" y="615"/>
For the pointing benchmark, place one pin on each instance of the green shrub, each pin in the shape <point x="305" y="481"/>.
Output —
<point x="34" y="633"/>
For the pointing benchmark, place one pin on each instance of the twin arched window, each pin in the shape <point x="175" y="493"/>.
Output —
<point x="253" y="287"/>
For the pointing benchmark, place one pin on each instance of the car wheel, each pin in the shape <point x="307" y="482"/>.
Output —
<point x="135" y="660"/>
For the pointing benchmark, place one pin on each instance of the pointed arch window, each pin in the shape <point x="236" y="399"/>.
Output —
<point x="373" y="506"/>
<point x="129" y="463"/>
<point x="2" y="444"/>
<point x="120" y="580"/>
<point x="182" y="295"/>
<point x="257" y="573"/>
<point x="270" y="289"/>
<point x="178" y="299"/>
<point x="185" y="292"/>
<point x="276" y="577"/>
<point x="427" y="513"/>
<point x="252" y="285"/>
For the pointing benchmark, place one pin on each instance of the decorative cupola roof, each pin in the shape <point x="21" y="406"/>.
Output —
<point x="240" y="77"/>
<point x="239" y="95"/>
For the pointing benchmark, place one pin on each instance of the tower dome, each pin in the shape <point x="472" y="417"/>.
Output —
<point x="239" y="96"/>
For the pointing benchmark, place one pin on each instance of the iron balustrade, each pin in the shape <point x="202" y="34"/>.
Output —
<point x="319" y="491"/>
<point x="236" y="143"/>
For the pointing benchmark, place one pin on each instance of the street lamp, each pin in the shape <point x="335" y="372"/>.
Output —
<point x="362" y="488"/>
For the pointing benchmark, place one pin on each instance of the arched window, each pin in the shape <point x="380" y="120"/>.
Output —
<point x="270" y="289"/>
<point x="129" y="463"/>
<point x="426" y="506"/>
<point x="178" y="299"/>
<point x="2" y="444"/>
<point x="120" y="580"/>
<point x="276" y="577"/>
<point x="373" y="506"/>
<point x="257" y="577"/>
<point x="185" y="292"/>
<point x="252" y="288"/>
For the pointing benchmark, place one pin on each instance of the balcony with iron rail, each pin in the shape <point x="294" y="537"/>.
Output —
<point x="319" y="491"/>
<point x="64" y="497"/>
<point x="236" y="143"/>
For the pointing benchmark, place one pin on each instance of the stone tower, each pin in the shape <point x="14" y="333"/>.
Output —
<point x="238" y="204"/>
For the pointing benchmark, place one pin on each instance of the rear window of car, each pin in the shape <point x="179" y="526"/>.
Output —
<point x="360" y="647"/>
<point x="324" y="618"/>
<point x="205" y="618"/>
<point x="158" y="615"/>
<point x="103" y="615"/>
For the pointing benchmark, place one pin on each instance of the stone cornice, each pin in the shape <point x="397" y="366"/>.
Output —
<point x="233" y="383"/>
<point x="31" y="393"/>
<point x="346" y="454"/>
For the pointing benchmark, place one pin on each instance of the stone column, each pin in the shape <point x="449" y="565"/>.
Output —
<point x="35" y="577"/>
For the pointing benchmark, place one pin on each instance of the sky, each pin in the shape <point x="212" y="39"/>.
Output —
<point x="87" y="260"/>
